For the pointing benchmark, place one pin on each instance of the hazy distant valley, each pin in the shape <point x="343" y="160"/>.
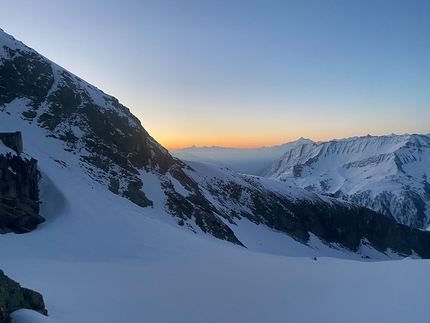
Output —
<point x="252" y="161"/>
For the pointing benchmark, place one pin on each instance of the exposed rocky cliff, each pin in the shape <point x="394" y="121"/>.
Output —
<point x="299" y="213"/>
<point x="12" y="140"/>
<point x="19" y="195"/>
<point x="14" y="297"/>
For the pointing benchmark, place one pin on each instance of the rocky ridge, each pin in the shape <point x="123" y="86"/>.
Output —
<point x="113" y="147"/>
<point x="300" y="213"/>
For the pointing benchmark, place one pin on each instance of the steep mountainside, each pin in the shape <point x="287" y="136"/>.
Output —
<point x="301" y="214"/>
<point x="388" y="174"/>
<point x="109" y="142"/>
<point x="90" y="134"/>
<point x="248" y="161"/>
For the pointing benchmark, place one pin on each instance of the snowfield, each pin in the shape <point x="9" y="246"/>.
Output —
<point x="101" y="258"/>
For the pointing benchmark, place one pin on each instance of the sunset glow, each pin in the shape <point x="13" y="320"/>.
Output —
<point x="244" y="73"/>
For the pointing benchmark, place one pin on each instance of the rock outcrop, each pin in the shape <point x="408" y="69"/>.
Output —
<point x="14" y="297"/>
<point x="12" y="140"/>
<point x="19" y="195"/>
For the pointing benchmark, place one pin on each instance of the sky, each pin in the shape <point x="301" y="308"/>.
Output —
<point x="243" y="73"/>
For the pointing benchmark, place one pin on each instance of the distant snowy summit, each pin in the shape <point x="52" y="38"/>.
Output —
<point x="388" y="174"/>
<point x="246" y="160"/>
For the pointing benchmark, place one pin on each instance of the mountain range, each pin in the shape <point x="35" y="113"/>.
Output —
<point x="388" y="174"/>
<point x="252" y="161"/>
<point x="133" y="234"/>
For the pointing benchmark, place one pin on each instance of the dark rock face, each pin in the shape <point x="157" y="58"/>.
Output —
<point x="14" y="297"/>
<point x="12" y="140"/>
<point x="351" y="226"/>
<point x="32" y="80"/>
<point x="19" y="196"/>
<point x="332" y="221"/>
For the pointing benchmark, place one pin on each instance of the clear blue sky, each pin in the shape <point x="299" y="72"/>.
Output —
<point x="244" y="73"/>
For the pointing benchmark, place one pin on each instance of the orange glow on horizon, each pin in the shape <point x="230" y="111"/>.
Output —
<point x="245" y="138"/>
<point x="253" y="142"/>
<point x="240" y="144"/>
<point x="230" y="141"/>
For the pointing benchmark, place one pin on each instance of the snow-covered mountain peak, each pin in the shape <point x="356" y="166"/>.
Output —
<point x="386" y="173"/>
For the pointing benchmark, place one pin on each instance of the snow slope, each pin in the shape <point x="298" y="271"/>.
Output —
<point x="101" y="258"/>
